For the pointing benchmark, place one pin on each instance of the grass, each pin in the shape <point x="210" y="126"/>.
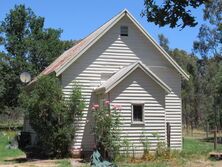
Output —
<point x="193" y="149"/>
<point x="5" y="153"/>
<point x="5" y="137"/>
<point x="197" y="147"/>
<point x="64" y="163"/>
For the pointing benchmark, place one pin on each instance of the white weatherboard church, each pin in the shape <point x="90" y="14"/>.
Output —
<point x="122" y="63"/>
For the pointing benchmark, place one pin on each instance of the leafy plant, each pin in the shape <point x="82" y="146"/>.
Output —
<point x="145" y="143"/>
<point x="53" y="118"/>
<point x="106" y="127"/>
<point x="133" y="159"/>
<point x="126" y="147"/>
<point x="162" y="152"/>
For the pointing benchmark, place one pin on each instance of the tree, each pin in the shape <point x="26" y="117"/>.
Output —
<point x="53" y="118"/>
<point x="175" y="13"/>
<point x="210" y="36"/>
<point x="218" y="92"/>
<point x="191" y="115"/>
<point x="27" y="46"/>
<point x="190" y="103"/>
<point x="7" y="86"/>
<point x="209" y="46"/>
<point x="164" y="42"/>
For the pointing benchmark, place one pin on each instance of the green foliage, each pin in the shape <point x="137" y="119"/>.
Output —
<point x="161" y="152"/>
<point x="126" y="147"/>
<point x="189" y="88"/>
<point x="106" y="127"/>
<point x="8" y="89"/>
<point x="133" y="150"/>
<point x="26" y="46"/>
<point x="29" y="46"/>
<point x="147" y="156"/>
<point x="164" y="42"/>
<point x="172" y="12"/>
<point x="51" y="116"/>
<point x="193" y="150"/>
<point x="11" y="118"/>
<point x="145" y="142"/>
<point x="209" y="43"/>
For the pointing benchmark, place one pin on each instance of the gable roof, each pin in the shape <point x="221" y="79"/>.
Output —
<point x="125" y="72"/>
<point x="69" y="56"/>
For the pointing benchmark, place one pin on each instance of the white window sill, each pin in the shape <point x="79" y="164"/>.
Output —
<point x="138" y="123"/>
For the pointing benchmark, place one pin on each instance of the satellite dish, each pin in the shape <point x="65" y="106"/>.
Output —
<point x="25" y="77"/>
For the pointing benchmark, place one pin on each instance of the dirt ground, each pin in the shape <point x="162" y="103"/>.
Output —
<point x="21" y="162"/>
<point x="38" y="163"/>
<point x="204" y="163"/>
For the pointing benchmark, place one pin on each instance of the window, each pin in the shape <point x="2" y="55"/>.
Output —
<point x="124" y="31"/>
<point x="137" y="115"/>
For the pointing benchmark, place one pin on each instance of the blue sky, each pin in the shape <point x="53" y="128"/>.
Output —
<point x="79" y="18"/>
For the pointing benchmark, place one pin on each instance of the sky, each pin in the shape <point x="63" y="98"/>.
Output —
<point x="78" y="18"/>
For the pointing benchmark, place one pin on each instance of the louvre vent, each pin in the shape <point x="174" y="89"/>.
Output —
<point x="124" y="31"/>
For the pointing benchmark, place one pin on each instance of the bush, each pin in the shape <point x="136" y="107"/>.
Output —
<point x="53" y="117"/>
<point x="106" y="127"/>
<point x="162" y="152"/>
<point x="146" y="147"/>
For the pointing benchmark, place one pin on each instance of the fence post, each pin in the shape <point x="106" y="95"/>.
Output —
<point x="215" y="138"/>
<point x="168" y="134"/>
<point x="207" y="130"/>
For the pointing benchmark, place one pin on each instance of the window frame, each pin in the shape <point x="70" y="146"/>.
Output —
<point x="124" y="34"/>
<point x="132" y="113"/>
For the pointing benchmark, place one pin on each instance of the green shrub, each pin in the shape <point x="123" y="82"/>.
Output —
<point x="106" y="127"/>
<point x="52" y="116"/>
<point x="146" y="147"/>
<point x="162" y="152"/>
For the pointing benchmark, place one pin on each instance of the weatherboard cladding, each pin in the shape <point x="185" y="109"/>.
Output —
<point x="124" y="72"/>
<point x="63" y="61"/>
<point x="139" y="88"/>
<point x="110" y="54"/>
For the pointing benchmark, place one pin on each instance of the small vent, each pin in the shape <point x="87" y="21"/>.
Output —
<point x="124" y="31"/>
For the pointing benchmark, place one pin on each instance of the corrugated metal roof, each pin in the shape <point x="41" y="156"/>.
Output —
<point x="125" y="72"/>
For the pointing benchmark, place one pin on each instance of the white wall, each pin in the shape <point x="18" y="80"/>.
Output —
<point x="140" y="88"/>
<point x="109" y="54"/>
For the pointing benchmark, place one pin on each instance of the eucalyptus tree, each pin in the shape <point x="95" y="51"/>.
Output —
<point x="25" y="46"/>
